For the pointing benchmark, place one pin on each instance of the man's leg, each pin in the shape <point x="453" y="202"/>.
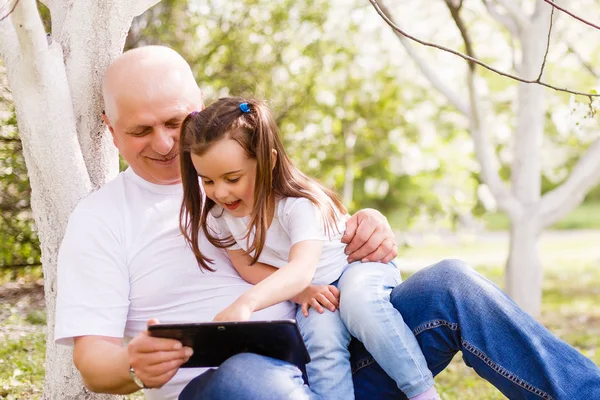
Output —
<point x="452" y="308"/>
<point x="252" y="377"/>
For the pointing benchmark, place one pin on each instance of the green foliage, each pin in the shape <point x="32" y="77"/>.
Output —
<point x="19" y="244"/>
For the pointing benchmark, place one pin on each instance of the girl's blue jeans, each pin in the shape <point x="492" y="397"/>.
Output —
<point x="367" y="314"/>
<point x="450" y="308"/>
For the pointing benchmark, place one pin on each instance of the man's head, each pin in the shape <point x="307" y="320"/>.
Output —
<point x="148" y="92"/>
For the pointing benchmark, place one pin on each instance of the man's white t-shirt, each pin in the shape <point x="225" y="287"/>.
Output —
<point x="124" y="261"/>
<point x="295" y="219"/>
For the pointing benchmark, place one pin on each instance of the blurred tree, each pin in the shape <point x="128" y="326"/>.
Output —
<point x="521" y="155"/>
<point x="340" y="114"/>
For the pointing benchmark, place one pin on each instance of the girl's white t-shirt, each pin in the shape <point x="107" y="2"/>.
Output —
<point x="295" y="219"/>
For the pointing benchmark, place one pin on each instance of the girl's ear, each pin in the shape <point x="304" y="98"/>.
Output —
<point x="273" y="158"/>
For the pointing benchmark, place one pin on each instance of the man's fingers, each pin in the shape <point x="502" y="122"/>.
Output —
<point x="380" y="252"/>
<point x="391" y="255"/>
<point x="350" y="231"/>
<point x="168" y="356"/>
<point x="370" y="244"/>
<point x="362" y="235"/>
<point x="156" y="376"/>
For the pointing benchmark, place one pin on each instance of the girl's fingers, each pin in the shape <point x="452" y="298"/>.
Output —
<point x="305" y="309"/>
<point x="324" y="301"/>
<point x="315" y="304"/>
<point x="334" y="290"/>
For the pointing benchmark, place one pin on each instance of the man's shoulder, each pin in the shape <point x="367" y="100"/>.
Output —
<point x="105" y="199"/>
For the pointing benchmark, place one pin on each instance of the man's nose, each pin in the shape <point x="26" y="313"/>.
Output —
<point x="163" y="141"/>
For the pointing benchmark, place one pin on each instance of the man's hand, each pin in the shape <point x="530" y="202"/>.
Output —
<point x="237" y="311"/>
<point x="317" y="297"/>
<point x="369" y="237"/>
<point x="156" y="360"/>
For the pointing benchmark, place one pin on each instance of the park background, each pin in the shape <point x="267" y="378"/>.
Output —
<point x="357" y="111"/>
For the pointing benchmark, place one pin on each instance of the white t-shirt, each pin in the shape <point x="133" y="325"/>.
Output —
<point x="124" y="261"/>
<point x="295" y="219"/>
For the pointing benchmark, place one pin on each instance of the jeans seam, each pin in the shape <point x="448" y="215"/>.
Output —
<point x="363" y="364"/>
<point x="434" y="324"/>
<point x="483" y="357"/>
<point x="504" y="372"/>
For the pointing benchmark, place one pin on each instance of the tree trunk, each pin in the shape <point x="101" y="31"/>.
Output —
<point x="524" y="269"/>
<point x="55" y="84"/>
<point x="523" y="277"/>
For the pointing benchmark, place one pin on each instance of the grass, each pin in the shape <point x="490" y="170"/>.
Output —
<point x="570" y="310"/>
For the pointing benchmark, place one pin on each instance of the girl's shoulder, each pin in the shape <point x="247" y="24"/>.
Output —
<point x="286" y="205"/>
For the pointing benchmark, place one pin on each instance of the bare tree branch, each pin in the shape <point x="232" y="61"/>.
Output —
<point x="554" y="5"/>
<point x="559" y="202"/>
<point x="4" y="16"/>
<point x="483" y="149"/>
<point x="397" y="29"/>
<point x="547" y="46"/>
<point x="429" y="72"/>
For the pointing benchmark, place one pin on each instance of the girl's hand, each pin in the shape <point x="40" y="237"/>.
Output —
<point x="238" y="311"/>
<point x="317" y="297"/>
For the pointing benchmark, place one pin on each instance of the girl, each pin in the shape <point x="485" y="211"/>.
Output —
<point x="267" y="214"/>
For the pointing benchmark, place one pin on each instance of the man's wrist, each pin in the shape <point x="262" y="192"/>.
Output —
<point x="136" y="379"/>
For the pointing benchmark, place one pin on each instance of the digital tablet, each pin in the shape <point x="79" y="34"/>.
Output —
<point x="215" y="342"/>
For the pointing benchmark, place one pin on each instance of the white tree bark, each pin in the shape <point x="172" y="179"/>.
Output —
<point x="57" y="97"/>
<point x="524" y="269"/>
<point x="527" y="211"/>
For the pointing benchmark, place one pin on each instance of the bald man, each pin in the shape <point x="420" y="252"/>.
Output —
<point x="123" y="264"/>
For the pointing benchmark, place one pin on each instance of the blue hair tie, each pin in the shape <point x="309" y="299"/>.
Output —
<point x="245" y="108"/>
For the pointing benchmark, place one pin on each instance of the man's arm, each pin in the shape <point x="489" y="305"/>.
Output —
<point x="369" y="237"/>
<point x="104" y="362"/>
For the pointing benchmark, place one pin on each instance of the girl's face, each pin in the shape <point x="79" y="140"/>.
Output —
<point x="228" y="176"/>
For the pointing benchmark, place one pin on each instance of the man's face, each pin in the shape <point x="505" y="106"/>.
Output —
<point x="228" y="176"/>
<point x="145" y="129"/>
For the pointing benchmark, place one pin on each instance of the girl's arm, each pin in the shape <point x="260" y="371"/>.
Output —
<point x="250" y="273"/>
<point x="281" y="285"/>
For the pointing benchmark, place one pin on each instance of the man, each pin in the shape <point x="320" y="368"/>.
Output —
<point x="123" y="264"/>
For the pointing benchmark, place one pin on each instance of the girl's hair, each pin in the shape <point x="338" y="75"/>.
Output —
<point x="256" y="131"/>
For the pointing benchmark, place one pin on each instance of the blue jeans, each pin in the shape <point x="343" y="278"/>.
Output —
<point x="327" y="340"/>
<point x="366" y="313"/>
<point x="371" y="318"/>
<point x="450" y="308"/>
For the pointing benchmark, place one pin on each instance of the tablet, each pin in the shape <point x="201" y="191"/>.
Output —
<point x="215" y="342"/>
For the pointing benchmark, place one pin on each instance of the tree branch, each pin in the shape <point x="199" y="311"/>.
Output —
<point x="397" y="29"/>
<point x="547" y="46"/>
<point x="429" y="73"/>
<point x="30" y="32"/>
<point x="483" y="149"/>
<point x="140" y="6"/>
<point x="557" y="203"/>
<point x="580" y="19"/>
<point x="9" y="49"/>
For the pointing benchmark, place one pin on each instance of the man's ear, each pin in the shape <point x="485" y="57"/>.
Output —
<point x="273" y="158"/>
<point x="110" y="128"/>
